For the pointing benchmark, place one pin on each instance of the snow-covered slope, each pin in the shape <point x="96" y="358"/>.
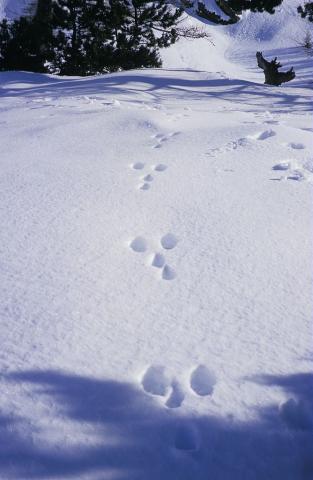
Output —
<point x="284" y="29"/>
<point x="155" y="264"/>
<point x="15" y="8"/>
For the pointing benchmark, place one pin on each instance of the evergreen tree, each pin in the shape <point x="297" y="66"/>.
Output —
<point x="81" y="37"/>
<point x="97" y="36"/>
<point x="107" y="22"/>
<point x="306" y="11"/>
<point x="43" y="11"/>
<point x="70" y="32"/>
<point x="254" y="5"/>
<point x="232" y="8"/>
<point x="25" y="45"/>
<point x="5" y="38"/>
<point x="147" y="27"/>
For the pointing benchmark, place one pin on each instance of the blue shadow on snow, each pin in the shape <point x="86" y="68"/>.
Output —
<point x="127" y="434"/>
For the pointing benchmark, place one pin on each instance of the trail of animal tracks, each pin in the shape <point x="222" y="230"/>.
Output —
<point x="156" y="303"/>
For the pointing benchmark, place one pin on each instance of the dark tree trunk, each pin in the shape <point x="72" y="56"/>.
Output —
<point x="272" y="75"/>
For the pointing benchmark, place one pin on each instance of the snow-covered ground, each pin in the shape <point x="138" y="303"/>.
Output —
<point x="156" y="269"/>
<point x="15" y="8"/>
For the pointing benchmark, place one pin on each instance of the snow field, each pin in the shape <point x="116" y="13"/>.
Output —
<point x="89" y="293"/>
<point x="156" y="303"/>
<point x="14" y="8"/>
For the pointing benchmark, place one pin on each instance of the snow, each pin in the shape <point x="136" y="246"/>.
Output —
<point x="155" y="264"/>
<point x="15" y="8"/>
<point x="285" y="27"/>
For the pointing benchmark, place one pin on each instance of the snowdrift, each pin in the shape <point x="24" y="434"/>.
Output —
<point x="155" y="264"/>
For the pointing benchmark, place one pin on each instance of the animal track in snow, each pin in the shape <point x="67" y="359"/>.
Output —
<point x="271" y="122"/>
<point x="144" y="186"/>
<point x="138" y="245"/>
<point x="161" y="167"/>
<point x="177" y="396"/>
<point x="155" y="381"/>
<point x="138" y="166"/>
<point x="168" y="273"/>
<point x="296" y="172"/>
<point x="264" y="135"/>
<point x="169" y="241"/>
<point x="187" y="438"/>
<point x="148" y="178"/>
<point x="296" y="175"/>
<point x="158" y="260"/>
<point x="281" y="166"/>
<point x="241" y="142"/>
<point x="163" y="138"/>
<point x="202" y="381"/>
<point x="296" y="146"/>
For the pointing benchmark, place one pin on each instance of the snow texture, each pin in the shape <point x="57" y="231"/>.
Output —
<point x="155" y="266"/>
<point x="12" y="9"/>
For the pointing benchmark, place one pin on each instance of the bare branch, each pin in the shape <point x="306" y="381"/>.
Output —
<point x="190" y="33"/>
<point x="193" y="33"/>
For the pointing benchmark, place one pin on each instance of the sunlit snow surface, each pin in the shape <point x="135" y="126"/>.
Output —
<point x="155" y="271"/>
<point x="12" y="9"/>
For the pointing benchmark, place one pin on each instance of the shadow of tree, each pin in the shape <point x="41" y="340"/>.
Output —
<point x="128" y="435"/>
<point x="297" y="411"/>
<point x="160" y="84"/>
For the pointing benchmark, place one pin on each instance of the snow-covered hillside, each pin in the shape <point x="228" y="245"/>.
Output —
<point x="15" y="8"/>
<point x="254" y="31"/>
<point x="155" y="265"/>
